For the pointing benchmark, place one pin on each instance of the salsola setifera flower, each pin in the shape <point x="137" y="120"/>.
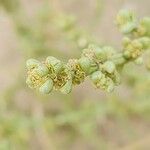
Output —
<point x="52" y="74"/>
<point x="38" y="76"/>
<point x="144" y="27"/>
<point x="103" y="64"/>
<point x="126" y="21"/>
<point x="102" y="81"/>
<point x="134" y="48"/>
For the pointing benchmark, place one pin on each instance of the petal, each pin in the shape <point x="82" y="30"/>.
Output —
<point x="66" y="89"/>
<point x="47" y="87"/>
<point x="55" y="63"/>
<point x="85" y="63"/>
<point x="42" y="70"/>
<point x="109" y="66"/>
<point x="96" y="76"/>
<point x="110" y="87"/>
<point x="32" y="63"/>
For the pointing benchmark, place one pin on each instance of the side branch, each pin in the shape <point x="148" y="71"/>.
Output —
<point x="102" y="65"/>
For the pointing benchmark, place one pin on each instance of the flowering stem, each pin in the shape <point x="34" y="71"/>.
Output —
<point x="102" y="65"/>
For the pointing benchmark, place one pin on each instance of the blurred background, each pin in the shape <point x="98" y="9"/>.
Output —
<point x="86" y="119"/>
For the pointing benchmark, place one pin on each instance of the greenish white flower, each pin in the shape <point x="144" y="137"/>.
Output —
<point x="67" y="88"/>
<point x="96" y="76"/>
<point x="46" y="87"/>
<point x="100" y="80"/>
<point x="145" y="41"/>
<point x="109" y="51"/>
<point x="32" y="63"/>
<point x="41" y="70"/>
<point x="54" y="64"/>
<point x="87" y="65"/>
<point x="102" y="64"/>
<point x="116" y="78"/>
<point x="110" y="87"/>
<point x="109" y="66"/>
<point x="98" y="52"/>
<point x="144" y="28"/>
<point x="126" y="21"/>
<point x="133" y="49"/>
<point x="126" y="41"/>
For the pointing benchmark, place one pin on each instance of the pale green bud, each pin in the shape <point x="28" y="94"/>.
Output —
<point x="103" y="80"/>
<point x="109" y="66"/>
<point x="55" y="63"/>
<point x="99" y="52"/>
<point x="93" y="68"/>
<point x="129" y="27"/>
<point x="126" y="21"/>
<point x="134" y="48"/>
<point x="145" y="41"/>
<point x="109" y="51"/>
<point x="145" y="25"/>
<point x="67" y="88"/>
<point x="111" y="86"/>
<point x="41" y="70"/>
<point x="96" y="76"/>
<point x="32" y="63"/>
<point x="85" y="63"/>
<point x="47" y="87"/>
<point x="137" y="44"/>
<point x="126" y="41"/>
<point x="117" y="78"/>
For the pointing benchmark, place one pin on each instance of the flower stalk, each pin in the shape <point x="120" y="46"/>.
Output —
<point x="102" y="65"/>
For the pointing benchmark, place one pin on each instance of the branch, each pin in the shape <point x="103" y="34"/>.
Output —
<point x="102" y="65"/>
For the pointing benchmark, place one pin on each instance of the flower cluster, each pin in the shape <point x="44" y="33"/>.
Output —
<point x="126" y="21"/>
<point x="52" y="74"/>
<point x="134" y="48"/>
<point x="128" y="24"/>
<point x="102" y="65"/>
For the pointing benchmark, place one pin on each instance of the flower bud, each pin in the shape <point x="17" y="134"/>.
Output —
<point x="129" y="27"/>
<point x="126" y="41"/>
<point x="127" y="54"/>
<point x="145" y="26"/>
<point x="85" y="63"/>
<point x="66" y="89"/>
<point x="117" y="78"/>
<point x="42" y="70"/>
<point x="126" y="21"/>
<point x="145" y="41"/>
<point x="55" y="63"/>
<point x="109" y="51"/>
<point x="32" y="63"/>
<point x="47" y="87"/>
<point x="109" y="66"/>
<point x="111" y="86"/>
<point x="137" y="44"/>
<point x="96" y="76"/>
<point x="99" y="52"/>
